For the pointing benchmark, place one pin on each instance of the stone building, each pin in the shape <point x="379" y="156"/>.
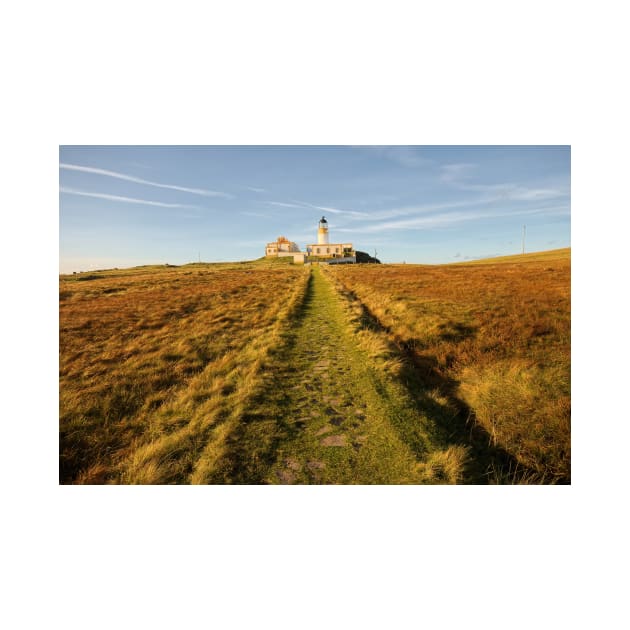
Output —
<point x="284" y="247"/>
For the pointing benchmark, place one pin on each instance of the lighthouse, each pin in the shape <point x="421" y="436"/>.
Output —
<point x="322" y="232"/>
<point x="323" y="251"/>
<point x="327" y="252"/>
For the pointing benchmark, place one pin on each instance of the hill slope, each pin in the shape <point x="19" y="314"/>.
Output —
<point x="494" y="336"/>
<point x="275" y="373"/>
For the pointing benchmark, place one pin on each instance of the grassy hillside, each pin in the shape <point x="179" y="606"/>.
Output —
<point x="493" y="334"/>
<point x="546" y="256"/>
<point x="152" y="358"/>
<point x="269" y="372"/>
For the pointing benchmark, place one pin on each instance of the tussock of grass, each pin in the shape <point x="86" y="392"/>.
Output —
<point x="447" y="466"/>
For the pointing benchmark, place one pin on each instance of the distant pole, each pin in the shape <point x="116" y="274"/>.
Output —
<point x="523" y="239"/>
<point x="199" y="256"/>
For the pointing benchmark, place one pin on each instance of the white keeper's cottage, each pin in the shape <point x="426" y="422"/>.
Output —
<point x="284" y="247"/>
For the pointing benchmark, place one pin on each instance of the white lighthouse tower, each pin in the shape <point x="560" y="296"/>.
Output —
<point x="322" y="232"/>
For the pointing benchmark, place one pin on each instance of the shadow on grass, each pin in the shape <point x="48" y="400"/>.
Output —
<point x="454" y="421"/>
<point x="269" y="421"/>
<point x="251" y="447"/>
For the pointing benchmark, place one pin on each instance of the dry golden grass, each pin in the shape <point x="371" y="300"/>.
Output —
<point x="496" y="334"/>
<point x="445" y="466"/>
<point x="153" y="360"/>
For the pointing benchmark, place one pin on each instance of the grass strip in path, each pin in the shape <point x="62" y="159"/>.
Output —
<point x="327" y="413"/>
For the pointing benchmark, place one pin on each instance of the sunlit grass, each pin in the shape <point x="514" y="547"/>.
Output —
<point x="181" y="374"/>
<point x="152" y="358"/>
<point x="498" y="331"/>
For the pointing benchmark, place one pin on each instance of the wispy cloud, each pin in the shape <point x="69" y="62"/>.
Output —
<point x="138" y="180"/>
<point x="489" y="195"/>
<point x="353" y="213"/>
<point x="519" y="193"/>
<point x="515" y="192"/>
<point x="422" y="222"/>
<point x="303" y="205"/>
<point x="424" y="209"/>
<point x="459" y="176"/>
<point x="258" y="190"/>
<point x="446" y="219"/>
<point x="283" y="205"/>
<point x="145" y="202"/>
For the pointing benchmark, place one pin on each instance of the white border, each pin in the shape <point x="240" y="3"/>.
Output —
<point x="322" y="73"/>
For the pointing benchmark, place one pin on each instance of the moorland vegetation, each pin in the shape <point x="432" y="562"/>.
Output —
<point x="495" y="337"/>
<point x="151" y="358"/>
<point x="268" y="372"/>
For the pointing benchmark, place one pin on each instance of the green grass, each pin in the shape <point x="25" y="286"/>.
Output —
<point x="492" y="336"/>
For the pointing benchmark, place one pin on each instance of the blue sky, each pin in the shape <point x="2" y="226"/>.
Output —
<point x="133" y="205"/>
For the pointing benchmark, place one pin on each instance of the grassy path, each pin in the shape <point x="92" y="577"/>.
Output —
<point x="328" y="414"/>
